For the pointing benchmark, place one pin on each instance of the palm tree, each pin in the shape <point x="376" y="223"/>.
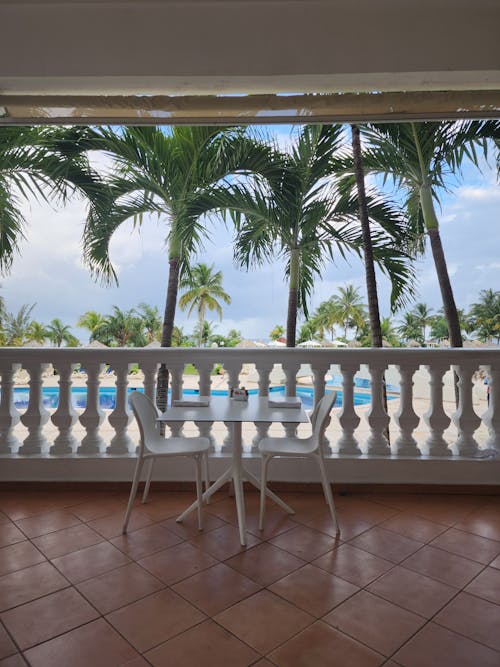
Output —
<point x="123" y="328"/>
<point x="326" y="318"/>
<point x="151" y="321"/>
<point x="171" y="174"/>
<point x="419" y="158"/>
<point x="350" y="308"/>
<point x="423" y="318"/>
<point x="410" y="328"/>
<point x="37" y="332"/>
<point x="16" y="327"/>
<point x="297" y="216"/>
<point x="92" y="321"/>
<point x="204" y="292"/>
<point x="41" y="163"/>
<point x="277" y="332"/>
<point x="203" y="332"/>
<point x="57" y="332"/>
<point x="485" y="315"/>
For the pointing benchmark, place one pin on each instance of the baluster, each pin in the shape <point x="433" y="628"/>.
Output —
<point x="436" y="418"/>
<point x="406" y="418"/>
<point x="377" y="417"/>
<point x="264" y="371"/>
<point x="349" y="420"/>
<point x="290" y="370"/>
<point x="65" y="416"/>
<point x="121" y="416"/>
<point x="492" y="415"/>
<point x="319" y="373"/>
<point x="176" y="385"/>
<point x="150" y="370"/>
<point x="9" y="415"/>
<point x="465" y="418"/>
<point x="92" y="417"/>
<point x="205" y="385"/>
<point x="233" y="369"/>
<point x="36" y="416"/>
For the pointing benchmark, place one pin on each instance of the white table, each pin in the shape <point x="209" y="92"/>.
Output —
<point x="224" y="409"/>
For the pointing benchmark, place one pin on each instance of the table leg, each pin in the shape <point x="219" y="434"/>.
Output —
<point x="272" y="496"/>
<point x="223" y="479"/>
<point x="238" y="482"/>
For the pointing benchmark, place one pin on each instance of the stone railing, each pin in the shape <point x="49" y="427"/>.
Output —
<point x="354" y="433"/>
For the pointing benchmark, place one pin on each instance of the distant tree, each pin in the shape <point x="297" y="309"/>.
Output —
<point x="37" y="332"/>
<point x="325" y="318"/>
<point x="151" y="321"/>
<point x="410" y="328"/>
<point x="16" y="327"/>
<point x="178" y="337"/>
<point x="59" y="333"/>
<point x="423" y="316"/>
<point x="92" y="321"/>
<point x="203" y="333"/>
<point x="233" y="338"/>
<point x="203" y="291"/>
<point x="485" y="315"/>
<point x="351" y="312"/>
<point x="122" y="329"/>
<point x="277" y="332"/>
<point x="310" y="330"/>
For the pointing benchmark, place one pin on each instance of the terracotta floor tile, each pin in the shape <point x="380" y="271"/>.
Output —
<point x="265" y="563"/>
<point x="95" y="644"/>
<point x="375" y="622"/>
<point x="16" y="660"/>
<point x="351" y="524"/>
<point x="17" y="556"/>
<point x="111" y="525"/>
<point x="161" y="506"/>
<point x="314" y="590"/>
<point x="10" y="534"/>
<point x="473" y="617"/>
<point x="414" y="527"/>
<point x="322" y="646"/>
<point x="119" y="587"/>
<point x="467" y="545"/>
<point x="386" y="544"/>
<point x="4" y="518"/>
<point x="355" y="565"/>
<point x="435" y="645"/>
<point x="443" y="566"/>
<point x="155" y="619"/>
<point x="52" y="615"/>
<point x="189" y="526"/>
<point x="41" y="524"/>
<point x="7" y="646"/>
<point x="486" y="585"/>
<point x="413" y="591"/>
<point x="223" y="542"/>
<point x="145" y="541"/>
<point x="484" y="522"/>
<point x="206" y="644"/>
<point x="216" y="588"/>
<point x="27" y="504"/>
<point x="304" y="542"/>
<point x="67" y="540"/>
<point x="496" y="562"/>
<point x="264" y="621"/>
<point x="100" y="505"/>
<point x="90" y="562"/>
<point x="178" y="562"/>
<point x="367" y="510"/>
<point x="28" y="584"/>
<point x="276" y="522"/>
<point x="262" y="663"/>
<point x="137" y="662"/>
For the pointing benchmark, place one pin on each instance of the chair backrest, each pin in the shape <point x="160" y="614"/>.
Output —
<point x="146" y="414"/>
<point x="322" y="412"/>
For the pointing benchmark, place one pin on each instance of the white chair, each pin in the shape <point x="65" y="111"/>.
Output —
<point x="310" y="447"/>
<point x="153" y="445"/>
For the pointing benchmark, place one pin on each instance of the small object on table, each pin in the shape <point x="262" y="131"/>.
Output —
<point x="285" y="402"/>
<point x="195" y="402"/>
<point x="239" y="393"/>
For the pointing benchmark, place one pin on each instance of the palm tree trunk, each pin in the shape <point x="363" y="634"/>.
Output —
<point x="370" y="277"/>
<point x="168" y="326"/>
<point x="291" y="320"/>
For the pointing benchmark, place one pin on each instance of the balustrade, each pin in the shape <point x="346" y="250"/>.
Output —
<point x="423" y="424"/>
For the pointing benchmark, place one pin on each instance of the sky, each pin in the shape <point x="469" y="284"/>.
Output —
<point x="49" y="271"/>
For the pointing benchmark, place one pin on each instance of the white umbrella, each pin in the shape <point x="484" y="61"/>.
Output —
<point x="310" y="343"/>
<point x="338" y="343"/>
<point x="276" y="343"/>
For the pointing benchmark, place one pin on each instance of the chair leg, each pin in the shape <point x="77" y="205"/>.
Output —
<point x="145" y="495"/>
<point x="328" y="492"/>
<point x="207" y="476"/>
<point x="199" y="492"/>
<point x="133" y="492"/>
<point x="263" y="484"/>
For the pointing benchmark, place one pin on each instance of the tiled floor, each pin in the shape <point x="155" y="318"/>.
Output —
<point x="414" y="580"/>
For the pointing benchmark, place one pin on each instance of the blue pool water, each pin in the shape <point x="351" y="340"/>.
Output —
<point x="107" y="396"/>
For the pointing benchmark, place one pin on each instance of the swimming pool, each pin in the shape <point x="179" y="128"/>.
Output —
<point x="50" y="396"/>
